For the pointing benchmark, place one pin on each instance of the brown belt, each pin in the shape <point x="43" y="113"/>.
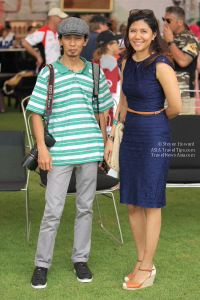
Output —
<point x="145" y="112"/>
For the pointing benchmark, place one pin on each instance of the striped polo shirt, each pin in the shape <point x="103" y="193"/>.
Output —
<point x="72" y="123"/>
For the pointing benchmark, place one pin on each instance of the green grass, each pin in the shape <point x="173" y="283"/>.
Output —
<point x="177" y="258"/>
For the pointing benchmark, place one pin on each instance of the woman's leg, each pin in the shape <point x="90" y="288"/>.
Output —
<point x="153" y="225"/>
<point x="138" y="226"/>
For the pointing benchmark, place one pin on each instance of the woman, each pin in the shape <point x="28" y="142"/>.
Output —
<point x="145" y="151"/>
<point x="107" y="47"/>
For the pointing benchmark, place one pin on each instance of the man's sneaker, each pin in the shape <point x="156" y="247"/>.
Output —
<point x="39" y="278"/>
<point x="83" y="272"/>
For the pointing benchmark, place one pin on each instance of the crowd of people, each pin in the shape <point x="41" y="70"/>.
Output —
<point x="151" y="68"/>
<point x="183" y="42"/>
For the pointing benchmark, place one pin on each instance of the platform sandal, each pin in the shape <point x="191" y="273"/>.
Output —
<point x="132" y="286"/>
<point x="130" y="275"/>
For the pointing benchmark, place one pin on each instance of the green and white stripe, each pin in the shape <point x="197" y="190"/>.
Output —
<point x="72" y="123"/>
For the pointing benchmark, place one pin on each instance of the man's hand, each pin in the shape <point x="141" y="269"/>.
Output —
<point x="39" y="60"/>
<point x="44" y="159"/>
<point x="168" y="34"/>
<point x="121" y="51"/>
<point x="33" y="52"/>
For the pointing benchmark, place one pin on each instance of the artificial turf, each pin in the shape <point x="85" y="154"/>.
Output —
<point x="177" y="258"/>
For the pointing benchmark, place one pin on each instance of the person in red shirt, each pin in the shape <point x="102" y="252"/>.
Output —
<point x="108" y="47"/>
<point x="48" y="35"/>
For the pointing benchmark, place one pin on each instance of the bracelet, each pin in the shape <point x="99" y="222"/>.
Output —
<point x="111" y="137"/>
<point x="115" y="122"/>
<point x="169" y="43"/>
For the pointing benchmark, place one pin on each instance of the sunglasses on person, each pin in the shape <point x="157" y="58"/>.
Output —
<point x="142" y="11"/>
<point x="114" y="42"/>
<point x="167" y="20"/>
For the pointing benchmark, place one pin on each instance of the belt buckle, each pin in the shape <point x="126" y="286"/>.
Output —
<point x="156" y="112"/>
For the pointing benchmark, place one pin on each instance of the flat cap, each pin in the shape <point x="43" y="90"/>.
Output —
<point x="73" y="25"/>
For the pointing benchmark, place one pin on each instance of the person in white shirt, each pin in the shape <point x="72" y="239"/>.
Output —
<point x="48" y="35"/>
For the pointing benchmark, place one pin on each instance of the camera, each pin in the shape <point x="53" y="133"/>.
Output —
<point x="30" y="160"/>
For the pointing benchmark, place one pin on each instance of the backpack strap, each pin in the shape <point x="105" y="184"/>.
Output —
<point x="96" y="76"/>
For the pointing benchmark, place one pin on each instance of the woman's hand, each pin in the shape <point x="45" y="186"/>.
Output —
<point x="108" y="150"/>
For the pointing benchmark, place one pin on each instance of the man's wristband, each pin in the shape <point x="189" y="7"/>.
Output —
<point x="169" y="43"/>
<point x="111" y="137"/>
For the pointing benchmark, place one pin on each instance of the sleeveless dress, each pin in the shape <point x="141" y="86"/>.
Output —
<point x="146" y="147"/>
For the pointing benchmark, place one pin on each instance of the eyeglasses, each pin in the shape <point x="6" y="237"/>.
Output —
<point x="167" y="20"/>
<point x="144" y="11"/>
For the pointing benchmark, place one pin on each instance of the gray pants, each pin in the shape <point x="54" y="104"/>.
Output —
<point x="57" y="186"/>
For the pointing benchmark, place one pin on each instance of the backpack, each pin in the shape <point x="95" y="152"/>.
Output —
<point x="96" y="75"/>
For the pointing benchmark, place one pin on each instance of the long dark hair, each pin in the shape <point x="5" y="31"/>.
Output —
<point x="157" y="46"/>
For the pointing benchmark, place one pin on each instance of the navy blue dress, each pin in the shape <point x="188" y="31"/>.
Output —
<point x="146" y="147"/>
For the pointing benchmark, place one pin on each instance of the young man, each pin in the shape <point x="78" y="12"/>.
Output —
<point x="79" y="144"/>
<point x="184" y="47"/>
